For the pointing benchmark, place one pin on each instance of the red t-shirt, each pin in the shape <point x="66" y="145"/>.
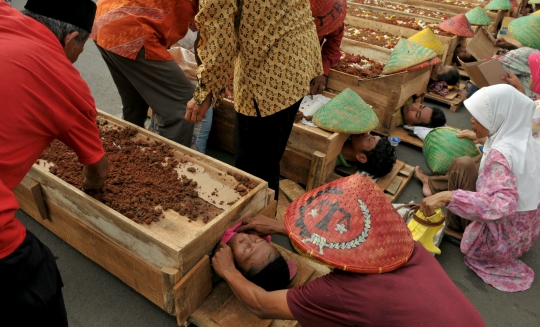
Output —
<point x="42" y="97"/>
<point x="417" y="294"/>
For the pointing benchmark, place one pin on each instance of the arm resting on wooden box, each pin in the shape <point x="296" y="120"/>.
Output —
<point x="265" y="305"/>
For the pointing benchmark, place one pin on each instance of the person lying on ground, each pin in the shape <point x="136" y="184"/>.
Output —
<point x="498" y="212"/>
<point x="370" y="153"/>
<point x="443" y="78"/>
<point x="415" y="292"/>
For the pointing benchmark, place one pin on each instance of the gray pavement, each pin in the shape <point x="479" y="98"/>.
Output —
<point x="95" y="298"/>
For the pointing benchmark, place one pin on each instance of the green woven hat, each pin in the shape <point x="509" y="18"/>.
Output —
<point x="407" y="54"/>
<point x="526" y="30"/>
<point x="499" y="5"/>
<point x="346" y="113"/>
<point x="442" y="146"/>
<point x="478" y="16"/>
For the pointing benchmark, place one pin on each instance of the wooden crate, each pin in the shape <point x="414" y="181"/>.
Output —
<point x="310" y="155"/>
<point x="352" y="5"/>
<point x="386" y="93"/>
<point x="449" y="8"/>
<point x="153" y="259"/>
<point x="448" y="42"/>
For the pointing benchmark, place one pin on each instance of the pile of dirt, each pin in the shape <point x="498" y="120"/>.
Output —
<point x="371" y="36"/>
<point x="142" y="180"/>
<point x="401" y="21"/>
<point x="358" y="65"/>
<point x="406" y="8"/>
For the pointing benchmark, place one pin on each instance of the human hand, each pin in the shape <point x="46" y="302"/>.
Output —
<point x="462" y="94"/>
<point x="467" y="134"/>
<point x="95" y="175"/>
<point x="513" y="80"/>
<point x="196" y="112"/>
<point x="261" y="225"/>
<point x="317" y="85"/>
<point x="500" y="43"/>
<point x="438" y="200"/>
<point x="223" y="260"/>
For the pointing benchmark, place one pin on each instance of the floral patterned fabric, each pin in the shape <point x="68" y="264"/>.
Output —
<point x="517" y="62"/>
<point x="498" y="235"/>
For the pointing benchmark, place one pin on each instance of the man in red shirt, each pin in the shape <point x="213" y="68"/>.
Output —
<point x="329" y="18"/>
<point x="43" y="98"/>
<point x="381" y="276"/>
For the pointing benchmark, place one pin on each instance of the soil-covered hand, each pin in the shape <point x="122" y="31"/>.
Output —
<point x="223" y="260"/>
<point x="435" y="201"/>
<point x="317" y="85"/>
<point x="261" y="225"/>
<point x="513" y="80"/>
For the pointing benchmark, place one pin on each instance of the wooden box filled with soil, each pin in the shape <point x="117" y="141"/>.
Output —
<point x="305" y="144"/>
<point x="385" y="93"/>
<point x="160" y="212"/>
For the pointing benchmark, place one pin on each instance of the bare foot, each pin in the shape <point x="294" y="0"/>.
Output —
<point x="419" y="174"/>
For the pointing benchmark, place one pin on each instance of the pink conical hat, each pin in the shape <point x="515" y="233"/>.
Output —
<point x="457" y="25"/>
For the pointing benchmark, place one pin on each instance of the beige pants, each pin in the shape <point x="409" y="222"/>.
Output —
<point x="462" y="175"/>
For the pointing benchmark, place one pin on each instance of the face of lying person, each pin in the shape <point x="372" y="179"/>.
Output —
<point x="365" y="142"/>
<point x="416" y="114"/>
<point x="438" y="70"/>
<point x="463" y="54"/>
<point x="251" y="251"/>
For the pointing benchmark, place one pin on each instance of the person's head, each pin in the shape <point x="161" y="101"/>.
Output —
<point x="259" y="262"/>
<point x="462" y="53"/>
<point x="534" y="65"/>
<point x="69" y="20"/>
<point x="374" y="154"/>
<point x="448" y="74"/>
<point x="416" y="114"/>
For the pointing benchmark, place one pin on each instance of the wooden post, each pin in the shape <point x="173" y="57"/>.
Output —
<point x="315" y="171"/>
<point x="35" y="189"/>
<point x="169" y="278"/>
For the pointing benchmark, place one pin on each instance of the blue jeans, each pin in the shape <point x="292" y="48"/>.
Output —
<point x="201" y="131"/>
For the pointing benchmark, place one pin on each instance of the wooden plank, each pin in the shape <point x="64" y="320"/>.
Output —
<point x="449" y="8"/>
<point x="192" y="289"/>
<point x="454" y="103"/>
<point x="283" y="203"/>
<point x="270" y="210"/>
<point x="394" y="12"/>
<point x="384" y="181"/>
<point x="315" y="171"/>
<point x="291" y="189"/>
<point x="234" y="313"/>
<point x="295" y="165"/>
<point x="407" y="170"/>
<point x="394" y="185"/>
<point x="406" y="137"/>
<point x="169" y="277"/>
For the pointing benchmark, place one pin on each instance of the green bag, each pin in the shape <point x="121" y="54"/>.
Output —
<point x="442" y="146"/>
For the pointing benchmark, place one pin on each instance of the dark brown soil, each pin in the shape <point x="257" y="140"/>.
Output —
<point x="405" y="8"/>
<point x="368" y="35"/>
<point x="350" y="64"/>
<point x="401" y="21"/>
<point x="138" y="179"/>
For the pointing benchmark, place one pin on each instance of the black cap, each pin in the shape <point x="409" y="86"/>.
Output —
<point x="80" y="13"/>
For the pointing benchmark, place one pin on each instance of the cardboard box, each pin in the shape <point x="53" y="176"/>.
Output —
<point x="504" y="32"/>
<point x="481" y="45"/>
<point x="485" y="72"/>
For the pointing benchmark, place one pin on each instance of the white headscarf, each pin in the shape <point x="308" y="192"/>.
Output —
<point x="507" y="114"/>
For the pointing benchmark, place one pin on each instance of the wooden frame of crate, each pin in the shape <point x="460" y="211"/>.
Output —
<point x="310" y="155"/>
<point x="156" y="260"/>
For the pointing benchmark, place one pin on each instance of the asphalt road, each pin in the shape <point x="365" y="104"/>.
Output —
<point x="95" y="298"/>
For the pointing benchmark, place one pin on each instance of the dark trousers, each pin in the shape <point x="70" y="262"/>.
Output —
<point x="31" y="287"/>
<point x="462" y="175"/>
<point x="161" y="85"/>
<point x="259" y="143"/>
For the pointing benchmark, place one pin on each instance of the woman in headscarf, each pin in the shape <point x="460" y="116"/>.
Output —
<point x="503" y="212"/>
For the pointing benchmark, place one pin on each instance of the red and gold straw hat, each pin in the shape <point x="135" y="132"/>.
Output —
<point x="329" y="15"/>
<point x="349" y="224"/>
<point x="458" y="25"/>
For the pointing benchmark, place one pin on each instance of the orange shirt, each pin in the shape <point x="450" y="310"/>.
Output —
<point x="125" y="26"/>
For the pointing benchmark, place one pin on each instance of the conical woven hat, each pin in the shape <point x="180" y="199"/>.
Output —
<point x="457" y="25"/>
<point x="351" y="225"/>
<point x="346" y="113"/>
<point x="407" y="54"/>
<point x="329" y="15"/>
<point x="441" y="147"/>
<point x="526" y="30"/>
<point x="498" y="5"/>
<point x="478" y="16"/>
<point x="427" y="38"/>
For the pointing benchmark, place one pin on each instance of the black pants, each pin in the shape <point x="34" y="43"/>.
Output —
<point x="31" y="287"/>
<point x="259" y="143"/>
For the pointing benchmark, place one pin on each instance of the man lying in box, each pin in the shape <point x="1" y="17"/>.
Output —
<point x="381" y="277"/>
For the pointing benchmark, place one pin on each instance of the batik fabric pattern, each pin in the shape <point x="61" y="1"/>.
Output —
<point x="498" y="235"/>
<point x="273" y="46"/>
<point x="125" y="26"/>
<point x="517" y="62"/>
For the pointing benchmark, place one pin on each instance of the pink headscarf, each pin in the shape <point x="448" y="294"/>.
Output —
<point x="534" y="65"/>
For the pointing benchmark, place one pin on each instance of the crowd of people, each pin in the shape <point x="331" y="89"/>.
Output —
<point x="278" y="52"/>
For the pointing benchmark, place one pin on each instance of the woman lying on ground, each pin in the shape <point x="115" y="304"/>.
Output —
<point x="500" y="216"/>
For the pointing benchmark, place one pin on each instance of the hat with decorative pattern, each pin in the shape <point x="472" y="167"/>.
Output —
<point x="526" y="30"/>
<point x="428" y="39"/>
<point x="329" y="15"/>
<point x="458" y="25"/>
<point x="478" y="16"/>
<point x="351" y="225"/>
<point x="498" y="5"/>
<point x="407" y="54"/>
